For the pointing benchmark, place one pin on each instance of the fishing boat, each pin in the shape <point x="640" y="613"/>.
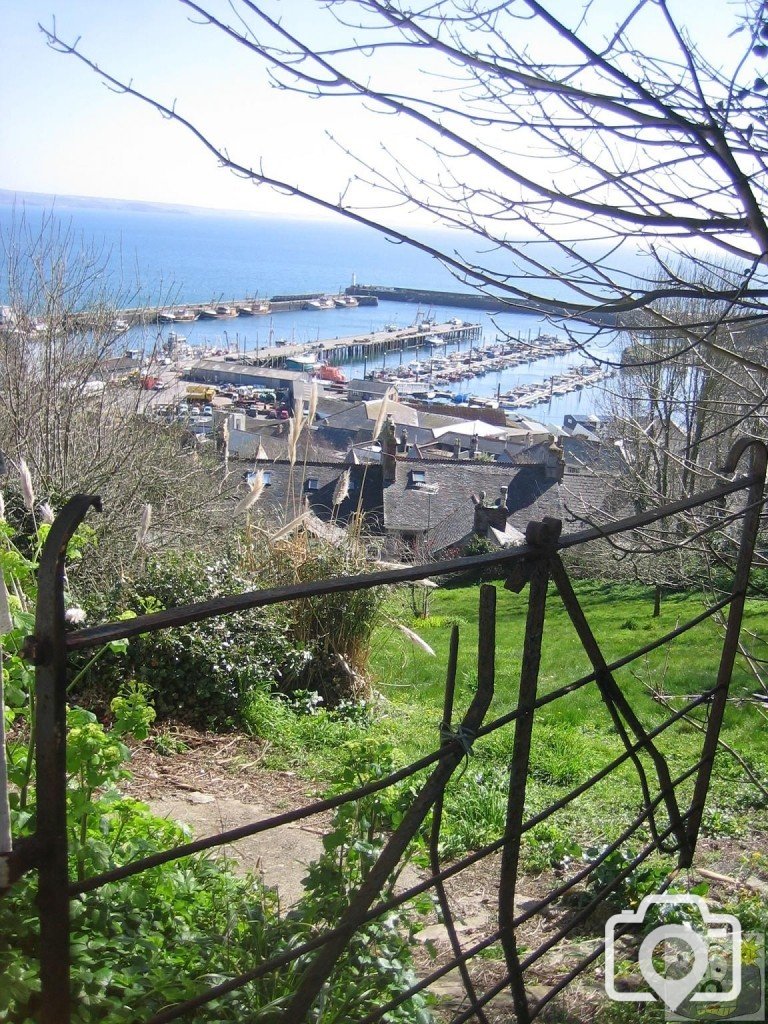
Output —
<point x="252" y="308"/>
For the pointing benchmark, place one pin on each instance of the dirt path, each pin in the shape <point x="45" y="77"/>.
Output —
<point x="217" y="784"/>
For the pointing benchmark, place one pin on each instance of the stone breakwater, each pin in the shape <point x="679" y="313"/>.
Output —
<point x="475" y="300"/>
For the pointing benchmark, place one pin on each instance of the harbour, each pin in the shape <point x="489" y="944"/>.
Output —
<point x="510" y="361"/>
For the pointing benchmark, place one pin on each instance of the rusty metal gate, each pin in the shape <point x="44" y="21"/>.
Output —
<point x="664" y="823"/>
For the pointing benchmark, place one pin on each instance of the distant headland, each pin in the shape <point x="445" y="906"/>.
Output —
<point x="49" y="200"/>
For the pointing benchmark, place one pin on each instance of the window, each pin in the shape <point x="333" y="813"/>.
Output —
<point x="313" y="484"/>
<point x="250" y="475"/>
<point x="418" y="476"/>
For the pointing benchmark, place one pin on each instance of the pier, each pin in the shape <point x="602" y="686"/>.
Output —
<point x="370" y="346"/>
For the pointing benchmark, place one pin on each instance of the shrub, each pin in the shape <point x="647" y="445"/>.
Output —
<point x="203" y="673"/>
<point x="332" y="632"/>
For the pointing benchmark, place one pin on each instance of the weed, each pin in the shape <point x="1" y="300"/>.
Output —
<point x="167" y="744"/>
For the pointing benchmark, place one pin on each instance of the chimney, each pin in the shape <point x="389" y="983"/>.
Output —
<point x="554" y="462"/>
<point x="388" y="451"/>
<point x="403" y="446"/>
<point x="473" y="446"/>
<point x="457" y="448"/>
<point x="488" y="515"/>
<point x="501" y="501"/>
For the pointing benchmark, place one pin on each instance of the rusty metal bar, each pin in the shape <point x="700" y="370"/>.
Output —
<point x="51" y="764"/>
<point x="521" y="753"/>
<point x="320" y="969"/>
<point x="95" y="636"/>
<point x="755" y="498"/>
<point x="618" y="706"/>
<point x="446" y="732"/>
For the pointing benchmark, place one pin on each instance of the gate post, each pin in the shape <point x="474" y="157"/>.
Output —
<point x="48" y="652"/>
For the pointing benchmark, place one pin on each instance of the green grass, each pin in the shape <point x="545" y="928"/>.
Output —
<point x="574" y="736"/>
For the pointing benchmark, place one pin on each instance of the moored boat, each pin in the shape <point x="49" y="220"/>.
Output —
<point x="332" y="374"/>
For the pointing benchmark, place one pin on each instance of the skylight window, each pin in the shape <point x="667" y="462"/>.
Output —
<point x="418" y="476"/>
<point x="313" y="484"/>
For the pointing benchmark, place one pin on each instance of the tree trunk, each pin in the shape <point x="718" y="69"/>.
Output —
<point x="657" y="601"/>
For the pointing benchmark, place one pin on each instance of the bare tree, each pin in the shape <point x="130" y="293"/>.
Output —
<point x="560" y="140"/>
<point x="73" y="411"/>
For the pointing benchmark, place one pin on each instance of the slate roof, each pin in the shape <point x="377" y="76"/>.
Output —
<point x="443" y="505"/>
<point x="290" y="490"/>
<point x="439" y="508"/>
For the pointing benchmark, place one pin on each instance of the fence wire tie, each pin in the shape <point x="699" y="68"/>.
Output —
<point x="461" y="734"/>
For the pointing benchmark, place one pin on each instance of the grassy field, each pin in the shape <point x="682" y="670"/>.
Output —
<point x="573" y="736"/>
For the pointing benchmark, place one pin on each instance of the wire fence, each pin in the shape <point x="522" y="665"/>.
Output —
<point x="671" y="807"/>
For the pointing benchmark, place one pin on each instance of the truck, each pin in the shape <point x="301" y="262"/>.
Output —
<point x="202" y="393"/>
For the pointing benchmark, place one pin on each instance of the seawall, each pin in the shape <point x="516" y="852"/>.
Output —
<point x="474" y="300"/>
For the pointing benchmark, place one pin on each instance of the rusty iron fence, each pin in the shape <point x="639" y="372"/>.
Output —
<point x="665" y="823"/>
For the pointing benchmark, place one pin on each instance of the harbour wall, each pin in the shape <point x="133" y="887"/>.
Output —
<point x="472" y="300"/>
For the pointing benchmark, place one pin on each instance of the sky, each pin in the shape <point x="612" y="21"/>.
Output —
<point x="68" y="134"/>
<point x="64" y="132"/>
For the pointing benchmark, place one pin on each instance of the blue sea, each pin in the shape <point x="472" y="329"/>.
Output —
<point x="156" y="256"/>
